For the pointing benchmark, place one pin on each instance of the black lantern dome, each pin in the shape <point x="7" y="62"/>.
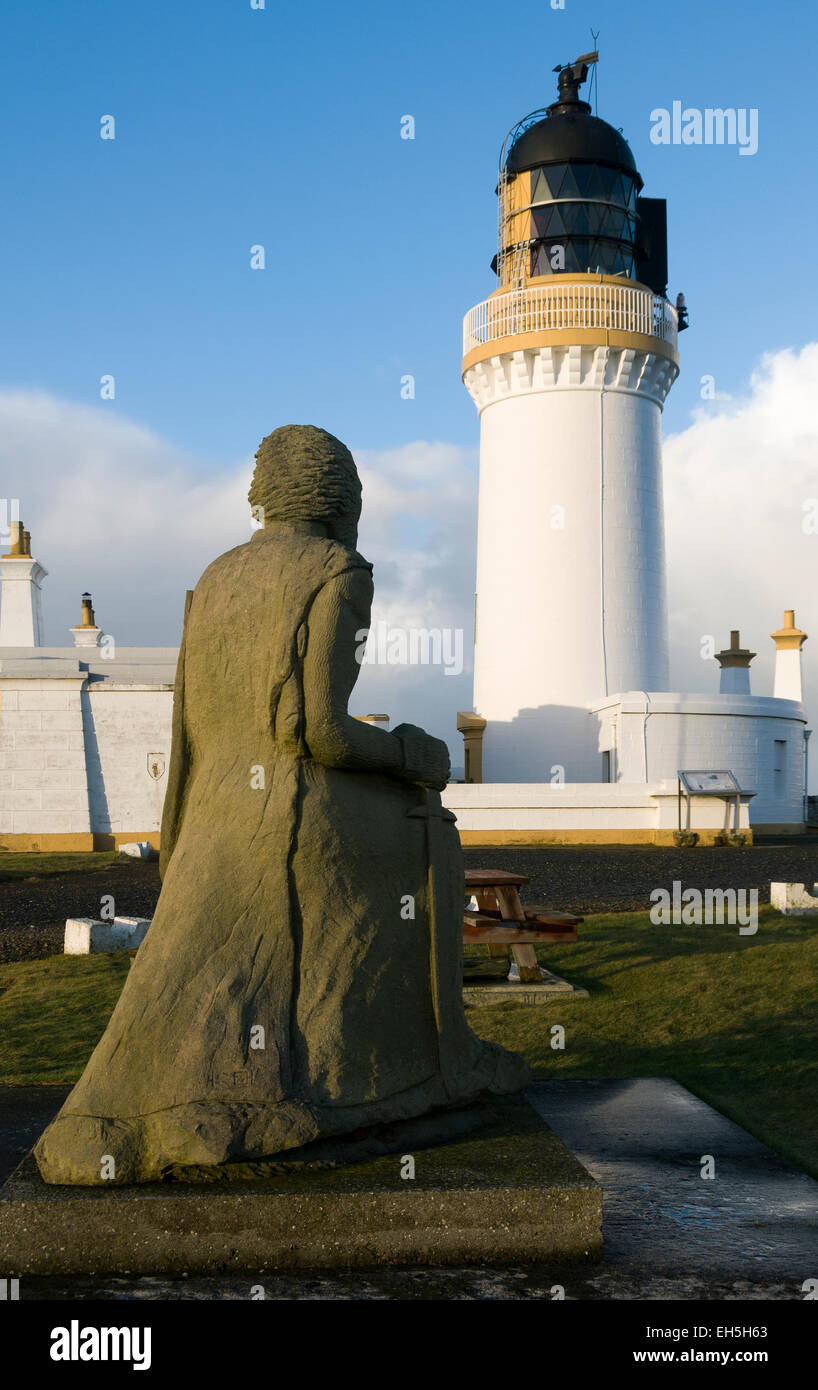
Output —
<point x="583" y="192"/>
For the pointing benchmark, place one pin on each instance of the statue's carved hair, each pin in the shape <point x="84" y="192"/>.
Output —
<point x="304" y="473"/>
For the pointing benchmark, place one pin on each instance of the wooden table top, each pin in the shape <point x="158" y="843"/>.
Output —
<point x="494" y="878"/>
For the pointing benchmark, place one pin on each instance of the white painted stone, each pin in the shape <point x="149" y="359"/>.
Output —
<point x="138" y="849"/>
<point x="88" y="936"/>
<point x="795" y="899"/>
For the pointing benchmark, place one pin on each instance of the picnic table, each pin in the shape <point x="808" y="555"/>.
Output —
<point x="504" y="925"/>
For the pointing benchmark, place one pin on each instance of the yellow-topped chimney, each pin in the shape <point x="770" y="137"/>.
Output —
<point x="789" y="640"/>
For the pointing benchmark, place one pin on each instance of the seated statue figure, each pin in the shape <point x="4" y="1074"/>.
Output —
<point x="301" y="978"/>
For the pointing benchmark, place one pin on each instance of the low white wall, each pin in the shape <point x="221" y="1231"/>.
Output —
<point x="74" y="755"/>
<point x="592" y="808"/>
<point x="43" y="783"/>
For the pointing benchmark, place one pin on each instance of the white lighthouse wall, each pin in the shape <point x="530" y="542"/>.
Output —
<point x="570" y="573"/>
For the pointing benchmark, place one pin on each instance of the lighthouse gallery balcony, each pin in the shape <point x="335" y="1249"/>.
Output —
<point x="586" y="304"/>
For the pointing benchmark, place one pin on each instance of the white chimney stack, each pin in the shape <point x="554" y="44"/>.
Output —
<point x="21" y="619"/>
<point x="86" y="633"/>
<point x="788" y="643"/>
<point x="735" y="667"/>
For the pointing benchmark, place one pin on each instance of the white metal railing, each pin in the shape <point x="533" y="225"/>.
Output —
<point x="564" y="306"/>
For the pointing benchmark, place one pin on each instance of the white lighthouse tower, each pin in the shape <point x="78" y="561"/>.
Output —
<point x="569" y="363"/>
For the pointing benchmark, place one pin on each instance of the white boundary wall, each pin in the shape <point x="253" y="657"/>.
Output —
<point x="592" y="808"/>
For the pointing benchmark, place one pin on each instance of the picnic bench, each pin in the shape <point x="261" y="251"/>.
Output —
<point x="504" y="925"/>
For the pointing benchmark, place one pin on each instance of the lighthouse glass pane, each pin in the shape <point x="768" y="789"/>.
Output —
<point x="540" y="264"/>
<point x="547" y="221"/>
<point x="612" y="223"/>
<point x="595" y="214"/>
<point x="540" y="191"/>
<point x="552" y="178"/>
<point x="569" y="188"/>
<point x="619" y="190"/>
<point x="593" y="185"/>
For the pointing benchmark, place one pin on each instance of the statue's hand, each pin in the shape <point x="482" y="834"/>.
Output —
<point x="426" y="759"/>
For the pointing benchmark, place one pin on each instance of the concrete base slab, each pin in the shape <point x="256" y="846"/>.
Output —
<point x="508" y="1191"/>
<point x="484" y="983"/>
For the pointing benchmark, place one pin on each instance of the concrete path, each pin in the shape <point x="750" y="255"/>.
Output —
<point x="645" y="1141"/>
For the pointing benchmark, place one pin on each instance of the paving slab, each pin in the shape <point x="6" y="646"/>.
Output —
<point x="506" y="1190"/>
<point x="644" y="1140"/>
<point x="487" y="987"/>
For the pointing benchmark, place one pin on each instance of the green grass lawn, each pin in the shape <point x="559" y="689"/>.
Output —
<point x="39" y="865"/>
<point x="732" y="1018"/>
<point x="53" y="1012"/>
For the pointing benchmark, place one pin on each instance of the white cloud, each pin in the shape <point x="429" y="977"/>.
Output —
<point x="116" y="510"/>
<point x="736" y="483"/>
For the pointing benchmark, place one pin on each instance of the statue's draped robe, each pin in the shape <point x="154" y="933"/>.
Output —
<point x="302" y="974"/>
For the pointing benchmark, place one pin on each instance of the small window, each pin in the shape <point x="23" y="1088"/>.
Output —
<point x="780" y="767"/>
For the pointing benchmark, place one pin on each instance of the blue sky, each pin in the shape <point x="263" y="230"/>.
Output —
<point x="281" y="127"/>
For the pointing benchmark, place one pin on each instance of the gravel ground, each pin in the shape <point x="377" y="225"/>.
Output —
<point x="33" y="911"/>
<point x="585" y="879"/>
<point x="618" y="878"/>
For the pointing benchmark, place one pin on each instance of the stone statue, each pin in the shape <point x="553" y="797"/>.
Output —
<point x="302" y="975"/>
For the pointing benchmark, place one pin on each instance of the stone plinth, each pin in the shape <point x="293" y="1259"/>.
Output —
<point x="501" y="1189"/>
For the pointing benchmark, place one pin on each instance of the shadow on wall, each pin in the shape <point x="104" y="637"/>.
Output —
<point x="552" y="743"/>
<point x="97" y="796"/>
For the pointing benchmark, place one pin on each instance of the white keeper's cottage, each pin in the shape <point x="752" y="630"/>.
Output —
<point x="84" y="730"/>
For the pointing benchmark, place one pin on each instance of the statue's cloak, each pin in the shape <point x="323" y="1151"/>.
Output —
<point x="302" y="974"/>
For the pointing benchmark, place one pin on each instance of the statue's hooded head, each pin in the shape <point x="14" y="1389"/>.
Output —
<point x="305" y="474"/>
